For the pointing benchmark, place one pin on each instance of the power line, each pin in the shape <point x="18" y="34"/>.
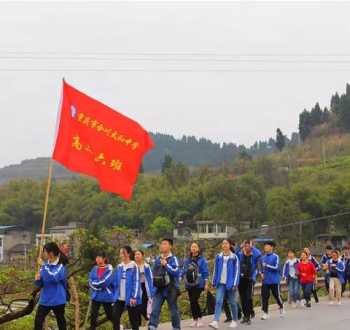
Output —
<point x="295" y="223"/>
<point x="221" y="70"/>
<point x="199" y="53"/>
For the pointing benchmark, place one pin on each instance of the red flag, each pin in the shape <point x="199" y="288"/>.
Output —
<point x="98" y="141"/>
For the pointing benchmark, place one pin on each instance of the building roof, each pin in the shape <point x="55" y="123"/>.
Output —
<point x="6" y="228"/>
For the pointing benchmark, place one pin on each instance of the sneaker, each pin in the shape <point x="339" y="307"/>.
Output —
<point x="214" y="324"/>
<point x="228" y="321"/>
<point x="294" y="305"/>
<point x="331" y="302"/>
<point x="339" y="303"/>
<point x="282" y="312"/>
<point x="265" y="316"/>
<point x="244" y="320"/>
<point x="308" y="305"/>
<point x="249" y="322"/>
<point x="233" y="325"/>
<point x="194" y="324"/>
<point x="200" y="324"/>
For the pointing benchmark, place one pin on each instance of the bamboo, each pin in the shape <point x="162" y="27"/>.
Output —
<point x="43" y="225"/>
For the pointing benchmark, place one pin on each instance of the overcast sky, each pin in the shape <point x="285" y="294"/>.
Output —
<point x="230" y="72"/>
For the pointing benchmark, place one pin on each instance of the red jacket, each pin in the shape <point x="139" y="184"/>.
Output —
<point x="307" y="272"/>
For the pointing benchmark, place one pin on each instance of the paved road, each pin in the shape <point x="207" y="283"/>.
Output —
<point x="320" y="317"/>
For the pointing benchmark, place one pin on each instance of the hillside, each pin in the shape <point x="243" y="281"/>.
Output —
<point x="189" y="150"/>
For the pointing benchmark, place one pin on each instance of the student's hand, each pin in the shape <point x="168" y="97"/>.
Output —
<point x="163" y="262"/>
<point x="133" y="302"/>
<point x="206" y="286"/>
<point x="37" y="277"/>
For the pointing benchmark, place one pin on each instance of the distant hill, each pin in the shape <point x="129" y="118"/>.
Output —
<point x="189" y="150"/>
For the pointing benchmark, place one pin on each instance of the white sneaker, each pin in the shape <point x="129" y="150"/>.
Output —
<point x="282" y="312"/>
<point x="294" y="305"/>
<point x="214" y="324"/>
<point x="331" y="302"/>
<point x="339" y="303"/>
<point x="233" y="325"/>
<point x="200" y="324"/>
<point x="194" y="324"/>
<point x="265" y="316"/>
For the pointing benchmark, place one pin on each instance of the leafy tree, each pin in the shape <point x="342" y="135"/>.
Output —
<point x="161" y="227"/>
<point x="280" y="140"/>
<point x="167" y="163"/>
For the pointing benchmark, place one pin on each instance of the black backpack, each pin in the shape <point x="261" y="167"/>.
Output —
<point x="192" y="274"/>
<point x="161" y="278"/>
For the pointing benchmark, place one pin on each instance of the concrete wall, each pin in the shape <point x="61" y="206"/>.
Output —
<point x="13" y="238"/>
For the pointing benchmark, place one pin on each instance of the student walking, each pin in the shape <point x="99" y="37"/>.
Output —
<point x="271" y="278"/>
<point x="336" y="271"/>
<point x="324" y="261"/>
<point x="195" y="275"/>
<point x="318" y="268"/>
<point x="127" y="286"/>
<point x="225" y="280"/>
<point x="166" y="275"/>
<point x="346" y="259"/>
<point x="52" y="280"/>
<point x="307" y="273"/>
<point x="146" y="280"/>
<point x="101" y="290"/>
<point x="290" y="274"/>
<point x="249" y="258"/>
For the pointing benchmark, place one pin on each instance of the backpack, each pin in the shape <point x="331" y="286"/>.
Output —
<point x="161" y="277"/>
<point x="192" y="274"/>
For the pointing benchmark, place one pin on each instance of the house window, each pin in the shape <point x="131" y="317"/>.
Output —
<point x="211" y="228"/>
<point x="221" y="228"/>
<point x="202" y="228"/>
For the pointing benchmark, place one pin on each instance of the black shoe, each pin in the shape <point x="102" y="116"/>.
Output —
<point x="249" y="322"/>
<point x="228" y="321"/>
<point x="308" y="304"/>
<point x="244" y="320"/>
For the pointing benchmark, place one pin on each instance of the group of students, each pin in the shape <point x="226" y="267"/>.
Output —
<point x="301" y="274"/>
<point x="141" y="290"/>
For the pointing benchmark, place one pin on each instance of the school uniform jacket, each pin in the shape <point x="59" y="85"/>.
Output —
<point x="233" y="270"/>
<point x="172" y="268"/>
<point x="132" y="282"/>
<point x="347" y="267"/>
<point x="148" y="280"/>
<point x="256" y="257"/>
<point x="102" y="289"/>
<point x="270" y="268"/>
<point x="316" y="263"/>
<point x="286" y="269"/>
<point x="53" y="284"/>
<point x="203" y="271"/>
<point x="340" y="268"/>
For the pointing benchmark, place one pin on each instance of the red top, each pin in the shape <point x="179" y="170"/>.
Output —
<point x="100" y="271"/>
<point x="307" y="272"/>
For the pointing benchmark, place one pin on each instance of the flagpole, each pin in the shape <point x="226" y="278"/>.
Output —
<point x="43" y="225"/>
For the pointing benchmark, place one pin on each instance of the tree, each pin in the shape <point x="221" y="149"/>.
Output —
<point x="161" y="227"/>
<point x="167" y="162"/>
<point x="280" y="140"/>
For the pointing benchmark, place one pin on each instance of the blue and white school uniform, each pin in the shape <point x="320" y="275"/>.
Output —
<point x="226" y="279"/>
